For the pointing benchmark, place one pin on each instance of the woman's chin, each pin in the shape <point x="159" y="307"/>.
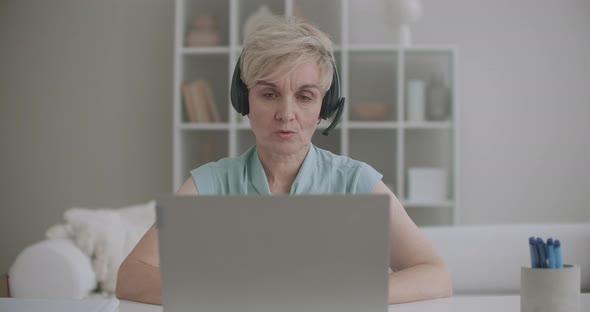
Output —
<point x="286" y="147"/>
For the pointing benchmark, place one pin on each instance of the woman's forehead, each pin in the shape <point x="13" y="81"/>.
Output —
<point x="304" y="75"/>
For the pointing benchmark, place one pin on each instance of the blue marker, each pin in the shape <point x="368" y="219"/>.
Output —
<point x="551" y="253"/>
<point x="540" y="245"/>
<point x="558" y="256"/>
<point x="533" y="252"/>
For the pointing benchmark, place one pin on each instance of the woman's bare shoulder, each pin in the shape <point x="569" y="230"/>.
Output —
<point x="188" y="188"/>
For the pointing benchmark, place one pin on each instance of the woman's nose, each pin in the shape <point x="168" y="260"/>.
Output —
<point x="285" y="110"/>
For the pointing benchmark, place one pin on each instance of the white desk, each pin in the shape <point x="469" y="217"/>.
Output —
<point x="455" y="304"/>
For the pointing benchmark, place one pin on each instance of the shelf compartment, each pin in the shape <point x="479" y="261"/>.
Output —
<point x="213" y="69"/>
<point x="372" y="99"/>
<point x="428" y="148"/>
<point x="201" y="147"/>
<point x="377" y="148"/>
<point x="435" y="70"/>
<point x="217" y="8"/>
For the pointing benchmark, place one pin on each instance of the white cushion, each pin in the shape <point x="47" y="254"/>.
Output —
<point x="106" y="236"/>
<point x="53" y="269"/>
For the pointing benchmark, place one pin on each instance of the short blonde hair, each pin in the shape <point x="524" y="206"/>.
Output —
<point x="285" y="42"/>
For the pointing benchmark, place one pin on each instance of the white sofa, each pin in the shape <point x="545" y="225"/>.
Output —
<point x="488" y="258"/>
<point x="482" y="259"/>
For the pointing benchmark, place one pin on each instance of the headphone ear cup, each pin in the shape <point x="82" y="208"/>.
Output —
<point x="331" y="100"/>
<point x="239" y="92"/>
<point x="327" y="104"/>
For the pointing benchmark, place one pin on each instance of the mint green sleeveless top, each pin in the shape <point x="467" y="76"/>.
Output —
<point x="321" y="173"/>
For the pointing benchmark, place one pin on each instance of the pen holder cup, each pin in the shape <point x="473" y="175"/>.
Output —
<point x="550" y="290"/>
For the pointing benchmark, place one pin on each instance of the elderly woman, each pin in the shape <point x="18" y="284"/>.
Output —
<point x="285" y="82"/>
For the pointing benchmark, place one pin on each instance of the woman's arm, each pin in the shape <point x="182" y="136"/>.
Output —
<point x="138" y="278"/>
<point x="418" y="271"/>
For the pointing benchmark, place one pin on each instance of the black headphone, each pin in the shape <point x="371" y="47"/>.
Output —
<point x="331" y="103"/>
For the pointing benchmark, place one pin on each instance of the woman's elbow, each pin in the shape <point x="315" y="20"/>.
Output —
<point x="446" y="282"/>
<point x="122" y="287"/>
<point x="137" y="281"/>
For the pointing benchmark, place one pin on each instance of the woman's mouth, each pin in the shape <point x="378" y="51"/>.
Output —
<point x="285" y="134"/>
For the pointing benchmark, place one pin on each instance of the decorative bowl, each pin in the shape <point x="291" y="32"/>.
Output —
<point x="371" y="111"/>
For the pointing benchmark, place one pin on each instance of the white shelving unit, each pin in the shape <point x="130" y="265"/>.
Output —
<point x="369" y="72"/>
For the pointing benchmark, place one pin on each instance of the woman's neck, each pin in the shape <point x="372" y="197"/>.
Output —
<point x="281" y="170"/>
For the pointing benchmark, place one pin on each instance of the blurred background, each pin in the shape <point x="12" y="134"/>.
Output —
<point x="90" y="102"/>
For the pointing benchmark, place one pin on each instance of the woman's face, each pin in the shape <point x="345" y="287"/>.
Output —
<point x="284" y="113"/>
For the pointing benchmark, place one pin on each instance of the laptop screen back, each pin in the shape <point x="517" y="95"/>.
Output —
<point x="274" y="253"/>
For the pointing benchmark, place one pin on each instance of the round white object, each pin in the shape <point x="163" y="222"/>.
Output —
<point x="52" y="269"/>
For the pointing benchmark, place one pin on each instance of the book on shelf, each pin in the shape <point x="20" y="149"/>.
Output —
<point x="211" y="104"/>
<point x="199" y="102"/>
<point x="188" y="103"/>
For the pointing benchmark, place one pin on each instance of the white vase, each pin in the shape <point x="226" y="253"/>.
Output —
<point x="415" y="97"/>
<point x="402" y="14"/>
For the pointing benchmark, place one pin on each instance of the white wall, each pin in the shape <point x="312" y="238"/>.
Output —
<point x="85" y="112"/>
<point x="524" y="70"/>
<point x="524" y="97"/>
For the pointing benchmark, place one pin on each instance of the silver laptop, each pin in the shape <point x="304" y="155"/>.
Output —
<point x="274" y="253"/>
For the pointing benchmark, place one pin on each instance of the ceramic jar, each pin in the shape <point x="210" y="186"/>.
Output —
<point x="204" y="32"/>
<point x="438" y="99"/>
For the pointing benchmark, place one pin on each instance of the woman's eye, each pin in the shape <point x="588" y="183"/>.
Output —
<point x="304" y="98"/>
<point x="268" y="95"/>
